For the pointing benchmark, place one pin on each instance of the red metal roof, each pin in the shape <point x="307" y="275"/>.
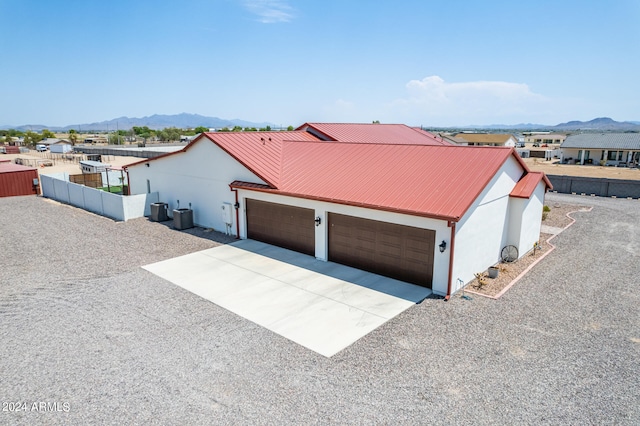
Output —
<point x="394" y="172"/>
<point x="424" y="180"/>
<point x="260" y="152"/>
<point x="10" y="168"/>
<point x="373" y="133"/>
<point x="525" y="186"/>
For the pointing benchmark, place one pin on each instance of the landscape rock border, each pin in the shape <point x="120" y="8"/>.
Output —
<point x="494" y="289"/>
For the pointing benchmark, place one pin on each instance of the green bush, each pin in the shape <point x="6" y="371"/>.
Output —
<point x="546" y="209"/>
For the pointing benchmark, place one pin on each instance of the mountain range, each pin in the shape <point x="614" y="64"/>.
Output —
<point x="185" y="121"/>
<point x="597" y="124"/>
<point x="156" y="121"/>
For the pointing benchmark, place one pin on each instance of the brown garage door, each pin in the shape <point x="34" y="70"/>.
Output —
<point x="284" y="226"/>
<point x="397" y="251"/>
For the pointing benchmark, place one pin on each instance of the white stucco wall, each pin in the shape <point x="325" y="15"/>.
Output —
<point x="483" y="231"/>
<point x="60" y="148"/>
<point x="443" y="232"/>
<point x="530" y="220"/>
<point x="511" y="142"/>
<point x="200" y="176"/>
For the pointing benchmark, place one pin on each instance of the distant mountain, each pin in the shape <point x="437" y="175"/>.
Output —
<point x="599" y="124"/>
<point x="521" y="126"/>
<point x="156" y="121"/>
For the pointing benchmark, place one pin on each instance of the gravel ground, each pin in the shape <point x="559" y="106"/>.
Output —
<point x="102" y="341"/>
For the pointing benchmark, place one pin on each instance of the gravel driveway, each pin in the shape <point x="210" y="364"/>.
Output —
<point x="92" y="338"/>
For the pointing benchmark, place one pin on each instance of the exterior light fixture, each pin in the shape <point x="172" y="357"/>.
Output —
<point x="443" y="246"/>
<point x="318" y="220"/>
<point x="237" y="205"/>
<point x="147" y="164"/>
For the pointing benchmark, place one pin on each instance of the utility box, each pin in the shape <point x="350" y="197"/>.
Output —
<point x="182" y="219"/>
<point x="159" y="212"/>
<point x="227" y="213"/>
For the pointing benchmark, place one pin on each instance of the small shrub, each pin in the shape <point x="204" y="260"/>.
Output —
<point x="546" y="209"/>
<point x="544" y="215"/>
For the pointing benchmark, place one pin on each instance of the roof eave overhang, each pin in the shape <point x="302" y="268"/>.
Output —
<point x="168" y="154"/>
<point x="310" y="128"/>
<point x="240" y="185"/>
<point x="203" y="135"/>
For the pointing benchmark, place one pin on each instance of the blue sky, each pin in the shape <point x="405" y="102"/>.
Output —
<point x="422" y="62"/>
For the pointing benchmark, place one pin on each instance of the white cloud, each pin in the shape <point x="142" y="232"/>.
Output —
<point x="270" y="11"/>
<point x="477" y="102"/>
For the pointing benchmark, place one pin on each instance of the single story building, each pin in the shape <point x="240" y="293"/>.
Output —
<point x="383" y="198"/>
<point x="453" y="139"/>
<point x="488" y="139"/>
<point x="545" y="138"/>
<point x="89" y="166"/>
<point x="62" y="146"/>
<point x="18" y="180"/>
<point x="610" y="149"/>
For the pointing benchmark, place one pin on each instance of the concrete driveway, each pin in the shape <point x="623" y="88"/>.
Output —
<point x="322" y="306"/>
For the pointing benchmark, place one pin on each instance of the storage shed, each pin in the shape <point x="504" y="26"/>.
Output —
<point x="18" y="180"/>
<point x="61" y="147"/>
<point x="88" y="166"/>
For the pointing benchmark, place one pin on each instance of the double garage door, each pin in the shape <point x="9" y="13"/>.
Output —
<point x="397" y="251"/>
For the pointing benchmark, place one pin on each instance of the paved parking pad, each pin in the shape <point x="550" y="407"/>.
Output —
<point x="322" y="306"/>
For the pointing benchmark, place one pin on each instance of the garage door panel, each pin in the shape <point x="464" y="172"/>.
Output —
<point x="281" y="225"/>
<point x="397" y="251"/>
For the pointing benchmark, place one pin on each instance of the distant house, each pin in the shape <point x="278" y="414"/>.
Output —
<point x="611" y="149"/>
<point x="545" y="138"/>
<point x="49" y="141"/>
<point x="88" y="166"/>
<point x="453" y="139"/>
<point x="488" y="139"/>
<point x="388" y="199"/>
<point x="96" y="140"/>
<point x="61" y="147"/>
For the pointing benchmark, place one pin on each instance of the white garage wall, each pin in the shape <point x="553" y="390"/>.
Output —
<point x="443" y="232"/>
<point x="517" y="207"/>
<point x="483" y="231"/>
<point x="531" y="220"/>
<point x="200" y="176"/>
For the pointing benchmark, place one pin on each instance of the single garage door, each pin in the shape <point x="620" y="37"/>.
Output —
<point x="397" y="251"/>
<point x="281" y="225"/>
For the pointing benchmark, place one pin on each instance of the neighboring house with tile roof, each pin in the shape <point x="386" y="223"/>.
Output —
<point x="432" y="214"/>
<point x="611" y="149"/>
<point x="488" y="139"/>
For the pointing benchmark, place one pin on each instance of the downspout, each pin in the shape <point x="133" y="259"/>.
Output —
<point x="128" y="181"/>
<point x="452" y="225"/>
<point x="237" y="207"/>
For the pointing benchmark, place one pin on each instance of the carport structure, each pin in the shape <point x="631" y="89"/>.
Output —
<point x="387" y="199"/>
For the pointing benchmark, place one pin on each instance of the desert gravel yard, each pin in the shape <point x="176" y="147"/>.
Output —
<point x="89" y="337"/>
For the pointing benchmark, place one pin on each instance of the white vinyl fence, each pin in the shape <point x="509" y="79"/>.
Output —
<point x="118" y="207"/>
